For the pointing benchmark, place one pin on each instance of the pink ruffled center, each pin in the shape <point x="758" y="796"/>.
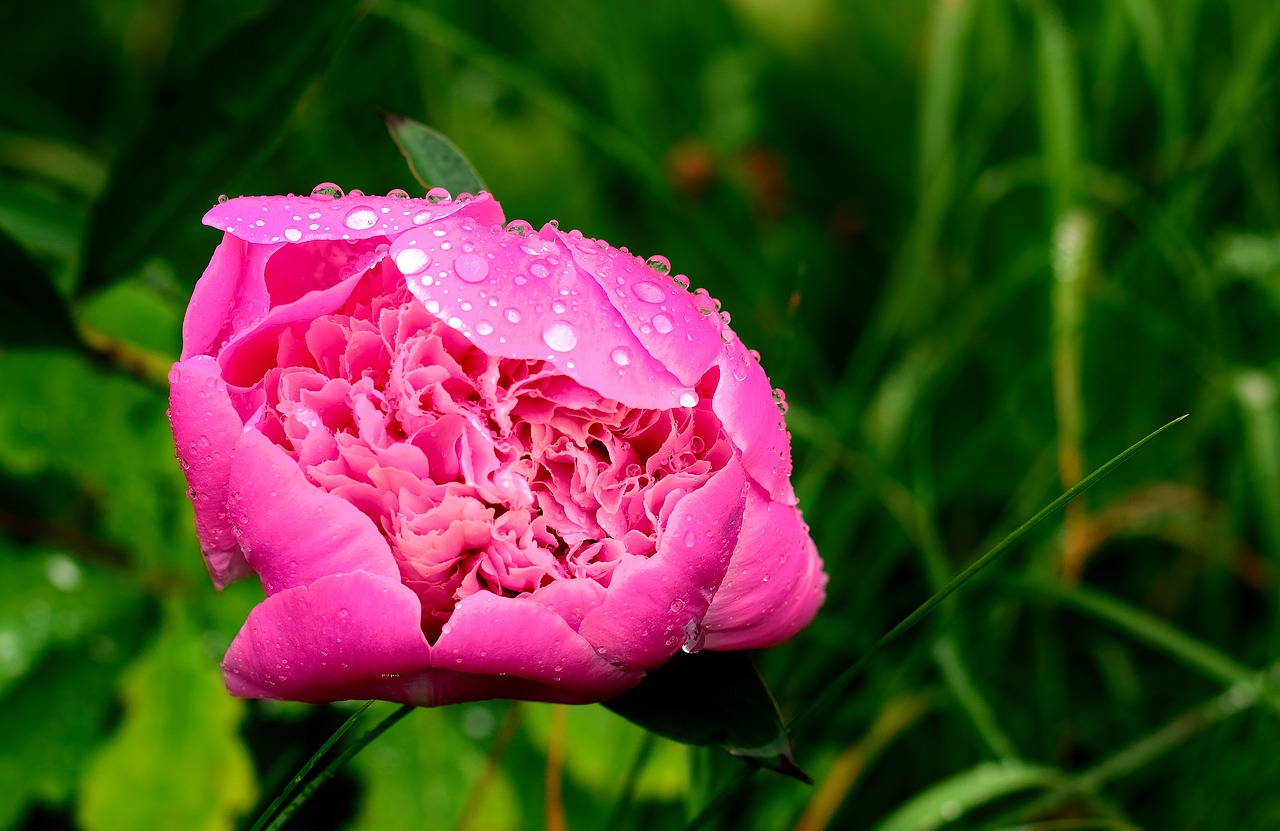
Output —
<point x="484" y="473"/>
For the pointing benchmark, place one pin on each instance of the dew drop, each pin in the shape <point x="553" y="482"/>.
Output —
<point x="688" y="399"/>
<point x="659" y="264"/>
<point x="780" y="401"/>
<point x="662" y="323"/>
<point x="471" y="268"/>
<point x="650" y="292"/>
<point x="484" y="328"/>
<point x="512" y="315"/>
<point x="538" y="270"/>
<point x="681" y="280"/>
<point x="360" y="218"/>
<point x="412" y="261"/>
<point x="326" y="191"/>
<point x="518" y="227"/>
<point x="560" y="336"/>
<point x="621" y="356"/>
<point x="676" y="605"/>
<point x="694" y="636"/>
<point x="438" y="195"/>
<point x="398" y="193"/>
<point x="421" y="217"/>
<point x="223" y="199"/>
<point x="292" y="234"/>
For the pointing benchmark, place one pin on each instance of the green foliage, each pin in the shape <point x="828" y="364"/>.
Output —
<point x="983" y="245"/>
<point x="176" y="761"/>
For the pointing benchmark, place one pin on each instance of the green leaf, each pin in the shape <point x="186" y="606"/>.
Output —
<point x="178" y="739"/>
<point x="955" y="796"/>
<point x="222" y="118"/>
<point x="52" y="721"/>
<point x="712" y="698"/>
<point x="433" y="160"/>
<point x="33" y="312"/>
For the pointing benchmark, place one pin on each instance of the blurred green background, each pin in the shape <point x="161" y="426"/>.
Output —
<point x="983" y="244"/>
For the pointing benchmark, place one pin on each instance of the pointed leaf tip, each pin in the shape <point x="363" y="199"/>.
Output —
<point x="712" y="698"/>
<point x="433" y="159"/>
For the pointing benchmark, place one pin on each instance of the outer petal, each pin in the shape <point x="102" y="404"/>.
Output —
<point x="229" y="297"/>
<point x="662" y="314"/>
<point x="743" y="402"/>
<point x="775" y="582"/>
<point x="205" y="431"/>
<point x="268" y="220"/>
<point x="523" y="297"/>
<point x="493" y="635"/>
<point x="333" y="640"/>
<point x="655" y="604"/>
<point x="292" y="532"/>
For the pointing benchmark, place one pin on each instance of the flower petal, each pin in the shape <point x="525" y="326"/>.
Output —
<point x="489" y="634"/>
<point x="292" y="532"/>
<point x="267" y="220"/>
<point x="743" y="401"/>
<point x="332" y="640"/>
<point x="775" y="582"/>
<point x="663" y="315"/>
<point x="523" y="297"/>
<point x="230" y="296"/>
<point x="205" y="431"/>
<point x="654" y="605"/>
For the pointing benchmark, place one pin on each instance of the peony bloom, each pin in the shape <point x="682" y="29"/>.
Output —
<point x="471" y="461"/>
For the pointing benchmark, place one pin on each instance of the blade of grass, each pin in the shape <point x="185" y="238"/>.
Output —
<point x="310" y="763"/>
<point x="956" y="795"/>
<point x="836" y="688"/>
<point x="894" y="718"/>
<point x="334" y="766"/>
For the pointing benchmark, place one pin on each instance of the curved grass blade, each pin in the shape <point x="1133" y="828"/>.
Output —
<point x="306" y="768"/>
<point x="837" y="687"/>
<point x="956" y="795"/>
<point x="433" y="160"/>
<point x="333" y="767"/>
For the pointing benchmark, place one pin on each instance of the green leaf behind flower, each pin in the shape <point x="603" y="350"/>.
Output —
<point x="433" y="160"/>
<point x="178" y="739"/>
<point x="712" y="698"/>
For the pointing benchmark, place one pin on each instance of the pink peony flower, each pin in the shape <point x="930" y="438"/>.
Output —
<point x="471" y="461"/>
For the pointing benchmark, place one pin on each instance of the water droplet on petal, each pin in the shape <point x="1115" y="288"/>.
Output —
<point x="484" y="328"/>
<point x="694" y="637"/>
<point x="560" y="336"/>
<point x="512" y="315"/>
<point x="676" y="605"/>
<point x="780" y="401"/>
<point x="518" y="227"/>
<point x="360" y="218"/>
<point x="437" y="195"/>
<point x="398" y="193"/>
<point x="681" y="280"/>
<point x="689" y="539"/>
<point x="538" y="270"/>
<point x="292" y="234"/>
<point x="621" y="356"/>
<point x="662" y="323"/>
<point x="471" y="267"/>
<point x="421" y="217"/>
<point x="650" y="292"/>
<point x="223" y="199"/>
<point x="412" y="261"/>
<point x="326" y="191"/>
<point x="659" y="264"/>
<point x="688" y="399"/>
